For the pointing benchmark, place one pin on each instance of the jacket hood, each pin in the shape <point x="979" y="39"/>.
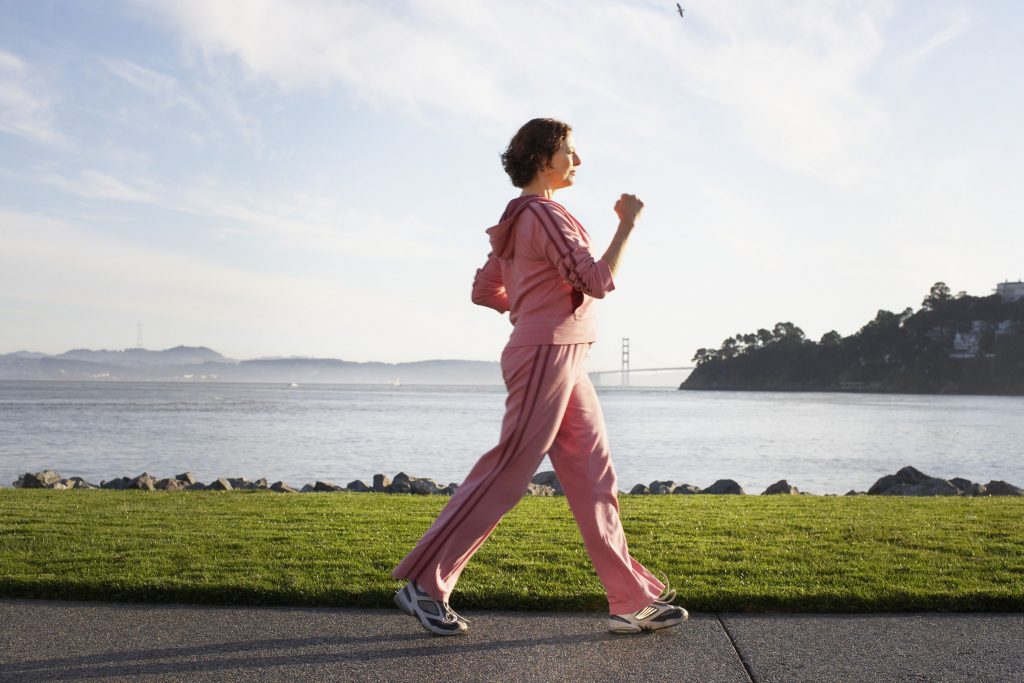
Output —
<point x="503" y="235"/>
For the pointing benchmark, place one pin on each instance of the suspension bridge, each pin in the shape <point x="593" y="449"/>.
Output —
<point x="624" y="372"/>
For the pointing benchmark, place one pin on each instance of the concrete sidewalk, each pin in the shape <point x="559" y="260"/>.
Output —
<point x="48" y="641"/>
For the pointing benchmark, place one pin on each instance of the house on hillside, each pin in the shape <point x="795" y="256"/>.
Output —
<point x="968" y="344"/>
<point x="1010" y="291"/>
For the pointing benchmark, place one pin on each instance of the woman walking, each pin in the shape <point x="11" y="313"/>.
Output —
<point x="541" y="271"/>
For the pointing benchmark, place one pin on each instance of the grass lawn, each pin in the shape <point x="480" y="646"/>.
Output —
<point x="723" y="553"/>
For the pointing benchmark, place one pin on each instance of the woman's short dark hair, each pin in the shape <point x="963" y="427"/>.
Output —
<point x="531" y="149"/>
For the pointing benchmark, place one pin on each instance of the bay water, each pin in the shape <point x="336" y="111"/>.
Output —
<point x="820" y="442"/>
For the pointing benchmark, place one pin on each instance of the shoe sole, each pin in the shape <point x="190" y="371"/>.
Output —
<point x="653" y="626"/>
<point x="408" y="609"/>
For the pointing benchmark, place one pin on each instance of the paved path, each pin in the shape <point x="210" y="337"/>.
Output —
<point x="51" y="641"/>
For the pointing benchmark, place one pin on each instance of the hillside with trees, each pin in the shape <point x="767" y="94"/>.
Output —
<point x="953" y="344"/>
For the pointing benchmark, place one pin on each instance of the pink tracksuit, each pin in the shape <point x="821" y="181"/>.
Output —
<point x="541" y="271"/>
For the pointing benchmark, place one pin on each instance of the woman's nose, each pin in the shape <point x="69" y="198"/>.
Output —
<point x="576" y="160"/>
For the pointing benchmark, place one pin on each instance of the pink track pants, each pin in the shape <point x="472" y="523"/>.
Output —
<point x="551" y="408"/>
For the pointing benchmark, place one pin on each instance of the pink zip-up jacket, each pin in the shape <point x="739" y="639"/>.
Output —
<point x="541" y="271"/>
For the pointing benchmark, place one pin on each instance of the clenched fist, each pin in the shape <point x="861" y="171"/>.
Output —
<point x="628" y="208"/>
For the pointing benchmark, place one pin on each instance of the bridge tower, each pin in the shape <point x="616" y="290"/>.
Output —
<point x="625" y="361"/>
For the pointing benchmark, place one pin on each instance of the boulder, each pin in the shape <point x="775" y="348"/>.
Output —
<point x="686" y="489"/>
<point x="327" y="487"/>
<point x="780" y="487"/>
<point x="82" y="483"/>
<point x="539" y="490"/>
<point x="639" y="490"/>
<point x="380" y="483"/>
<point x="281" y="487"/>
<point x="143" y="482"/>
<point x="171" y="485"/>
<point x="724" y="487"/>
<point x="67" y="483"/>
<point x="449" y="489"/>
<point x="186" y="477"/>
<point x="221" y="484"/>
<point x="197" y="486"/>
<point x="358" y="486"/>
<point x="119" y="484"/>
<point x="1001" y="488"/>
<point x="661" y="487"/>
<point x="851" y="492"/>
<point x="260" y="484"/>
<point x="58" y="486"/>
<point x="402" y="483"/>
<point x="307" y="488"/>
<point x="422" y="487"/>
<point x="240" y="483"/>
<point x="549" y="479"/>
<point x="976" y="490"/>
<point x="910" y="481"/>
<point x="963" y="484"/>
<point x="38" y="480"/>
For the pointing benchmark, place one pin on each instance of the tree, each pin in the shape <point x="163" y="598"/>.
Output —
<point x="938" y="295"/>
<point x="831" y="338"/>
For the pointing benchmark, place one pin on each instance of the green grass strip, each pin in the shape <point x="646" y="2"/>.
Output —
<point x="723" y="553"/>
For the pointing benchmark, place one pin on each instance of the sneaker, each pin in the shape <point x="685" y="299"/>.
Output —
<point x="437" y="617"/>
<point x="655" y="616"/>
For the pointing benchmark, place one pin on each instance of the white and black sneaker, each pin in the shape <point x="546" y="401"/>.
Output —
<point x="435" y="616"/>
<point x="655" y="616"/>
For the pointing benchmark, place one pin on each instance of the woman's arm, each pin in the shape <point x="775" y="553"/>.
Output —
<point x="489" y="288"/>
<point x="628" y="209"/>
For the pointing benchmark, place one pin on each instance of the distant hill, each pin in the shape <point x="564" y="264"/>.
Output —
<point x="183" y="363"/>
<point x="957" y="345"/>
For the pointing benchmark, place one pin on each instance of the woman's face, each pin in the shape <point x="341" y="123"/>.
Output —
<point x="561" y="170"/>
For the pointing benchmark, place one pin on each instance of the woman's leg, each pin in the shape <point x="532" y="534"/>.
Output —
<point x="582" y="461"/>
<point x="539" y="380"/>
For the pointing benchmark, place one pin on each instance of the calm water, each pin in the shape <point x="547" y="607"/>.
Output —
<point x="823" y="443"/>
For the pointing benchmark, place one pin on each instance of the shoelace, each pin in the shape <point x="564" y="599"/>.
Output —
<point x="452" y="614"/>
<point x="668" y="594"/>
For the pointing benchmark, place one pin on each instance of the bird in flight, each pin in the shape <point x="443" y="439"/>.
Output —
<point x="681" y="10"/>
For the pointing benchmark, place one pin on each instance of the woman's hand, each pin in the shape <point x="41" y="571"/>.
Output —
<point x="628" y="209"/>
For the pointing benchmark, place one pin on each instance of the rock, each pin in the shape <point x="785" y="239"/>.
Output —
<point x="686" y="489"/>
<point x="82" y="483"/>
<point x="240" y="483"/>
<point x="281" y="487"/>
<point x="327" y="487"/>
<point x="380" y="483"/>
<point x="357" y="486"/>
<point x="220" y="484"/>
<point x="912" y="482"/>
<point x="422" y="487"/>
<point x="851" y="492"/>
<point x="67" y="483"/>
<point x="119" y="484"/>
<point x="539" y="490"/>
<point x="307" y="488"/>
<point x="976" y="490"/>
<point x="961" y="483"/>
<point x="549" y="479"/>
<point x="639" y="490"/>
<point x="58" y="486"/>
<point x="724" y="487"/>
<point x="197" y="486"/>
<point x="450" y="489"/>
<point x="780" y="487"/>
<point x="186" y="477"/>
<point x="143" y="482"/>
<point x="1001" y="488"/>
<point x="661" y="487"/>
<point x="38" y="480"/>
<point x="402" y="483"/>
<point x="260" y="484"/>
<point x="171" y="485"/>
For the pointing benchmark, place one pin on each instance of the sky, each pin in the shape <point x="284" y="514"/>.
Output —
<point x="313" y="178"/>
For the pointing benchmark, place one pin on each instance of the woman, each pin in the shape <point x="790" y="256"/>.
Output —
<point x="541" y="271"/>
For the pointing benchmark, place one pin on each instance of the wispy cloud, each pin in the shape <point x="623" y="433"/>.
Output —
<point x="167" y="90"/>
<point x="96" y="185"/>
<point x="26" y="103"/>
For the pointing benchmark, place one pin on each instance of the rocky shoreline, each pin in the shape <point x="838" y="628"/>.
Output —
<point x="906" y="482"/>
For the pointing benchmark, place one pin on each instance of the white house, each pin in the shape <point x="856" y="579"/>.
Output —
<point x="1010" y="291"/>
